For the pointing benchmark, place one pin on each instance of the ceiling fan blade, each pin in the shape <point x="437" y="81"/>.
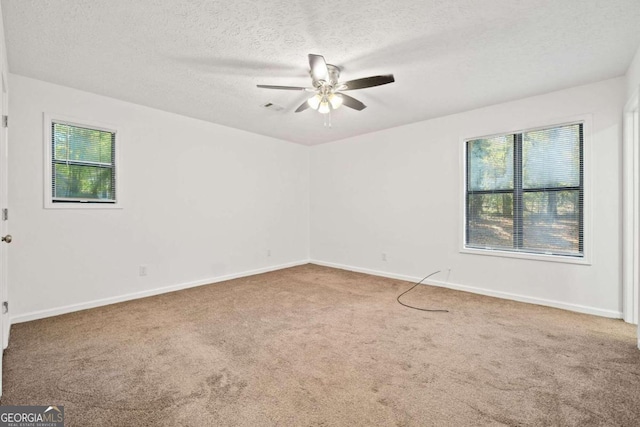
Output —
<point x="302" y="107"/>
<point x="367" y="82"/>
<point x="351" y="102"/>
<point x="318" y="67"/>
<point x="282" y="87"/>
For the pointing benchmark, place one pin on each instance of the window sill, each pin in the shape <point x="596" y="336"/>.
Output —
<point x="527" y="256"/>
<point x="62" y="205"/>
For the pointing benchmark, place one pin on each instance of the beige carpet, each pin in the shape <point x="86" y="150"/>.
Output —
<point x="317" y="346"/>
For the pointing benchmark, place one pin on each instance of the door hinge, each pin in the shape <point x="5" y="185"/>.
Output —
<point x="5" y="307"/>
<point x="5" y="214"/>
<point x="5" y="121"/>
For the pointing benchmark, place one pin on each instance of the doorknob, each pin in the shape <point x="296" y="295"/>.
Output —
<point x="7" y="238"/>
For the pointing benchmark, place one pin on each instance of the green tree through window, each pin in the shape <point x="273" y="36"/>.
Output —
<point x="525" y="191"/>
<point x="83" y="164"/>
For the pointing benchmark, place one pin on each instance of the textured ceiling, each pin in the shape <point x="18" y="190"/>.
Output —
<point x="204" y="58"/>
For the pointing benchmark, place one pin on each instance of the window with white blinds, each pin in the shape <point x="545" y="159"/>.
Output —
<point x="83" y="164"/>
<point x="525" y="192"/>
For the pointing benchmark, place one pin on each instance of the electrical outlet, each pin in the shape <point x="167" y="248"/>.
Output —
<point x="268" y="252"/>
<point x="384" y="256"/>
<point x="142" y="270"/>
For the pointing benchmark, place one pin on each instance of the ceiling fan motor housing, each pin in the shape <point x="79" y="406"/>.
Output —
<point x="333" y="73"/>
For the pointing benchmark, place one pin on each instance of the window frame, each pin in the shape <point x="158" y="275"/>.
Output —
<point x="586" y="259"/>
<point x="48" y="121"/>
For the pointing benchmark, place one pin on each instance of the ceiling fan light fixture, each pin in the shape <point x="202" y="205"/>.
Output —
<point x="324" y="108"/>
<point x="314" y="101"/>
<point x="335" y="100"/>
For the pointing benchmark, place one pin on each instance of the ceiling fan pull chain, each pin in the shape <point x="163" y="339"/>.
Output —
<point x="327" y="119"/>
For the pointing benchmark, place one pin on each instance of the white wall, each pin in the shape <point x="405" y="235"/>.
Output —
<point x="399" y="192"/>
<point x="201" y="201"/>
<point x="633" y="76"/>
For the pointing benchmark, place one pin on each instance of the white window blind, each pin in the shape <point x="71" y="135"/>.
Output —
<point x="83" y="164"/>
<point x="525" y="192"/>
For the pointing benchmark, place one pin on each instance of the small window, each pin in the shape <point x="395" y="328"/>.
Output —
<point x="82" y="160"/>
<point x="525" y="192"/>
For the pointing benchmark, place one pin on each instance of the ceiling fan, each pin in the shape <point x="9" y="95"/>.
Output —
<point x="328" y="90"/>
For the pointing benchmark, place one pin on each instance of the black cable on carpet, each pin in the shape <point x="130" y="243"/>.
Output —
<point x="418" y="308"/>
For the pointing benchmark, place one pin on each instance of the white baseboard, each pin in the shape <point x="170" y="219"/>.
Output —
<point x="34" y="315"/>
<point x="498" y="294"/>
